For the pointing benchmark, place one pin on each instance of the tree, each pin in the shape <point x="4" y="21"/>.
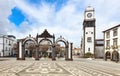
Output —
<point x="58" y="49"/>
<point x="31" y="49"/>
<point x="44" y="47"/>
<point x="88" y="55"/>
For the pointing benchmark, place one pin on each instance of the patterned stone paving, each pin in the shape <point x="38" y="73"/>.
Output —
<point x="59" y="68"/>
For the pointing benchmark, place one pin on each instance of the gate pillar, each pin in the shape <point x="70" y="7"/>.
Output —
<point x="53" y="52"/>
<point x="20" y="55"/>
<point x="66" y="52"/>
<point x="37" y="52"/>
<point x="70" y="47"/>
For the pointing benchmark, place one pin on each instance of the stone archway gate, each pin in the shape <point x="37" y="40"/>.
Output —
<point x="68" y="48"/>
<point x="21" y="48"/>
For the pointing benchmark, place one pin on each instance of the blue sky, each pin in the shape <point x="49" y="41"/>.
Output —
<point x="61" y="17"/>
<point x="17" y="16"/>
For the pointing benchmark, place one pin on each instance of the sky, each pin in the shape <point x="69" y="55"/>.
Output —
<point x="60" y="17"/>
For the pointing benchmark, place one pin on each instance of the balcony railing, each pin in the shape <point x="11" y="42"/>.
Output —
<point x="114" y="47"/>
<point x="108" y="48"/>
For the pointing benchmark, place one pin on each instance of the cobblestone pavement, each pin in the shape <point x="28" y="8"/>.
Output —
<point x="78" y="67"/>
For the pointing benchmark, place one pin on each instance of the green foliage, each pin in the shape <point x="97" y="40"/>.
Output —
<point x="108" y="48"/>
<point x="114" y="47"/>
<point x="88" y="55"/>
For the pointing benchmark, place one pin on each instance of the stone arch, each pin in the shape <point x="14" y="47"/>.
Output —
<point x="29" y="39"/>
<point x="31" y="52"/>
<point x="61" y="39"/>
<point x="46" y="40"/>
<point x="21" y="47"/>
<point x="48" y="52"/>
<point x="115" y="56"/>
<point x="107" y="55"/>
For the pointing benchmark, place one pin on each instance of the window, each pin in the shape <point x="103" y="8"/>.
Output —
<point x="9" y="43"/>
<point x="9" y="48"/>
<point x="108" y="43"/>
<point x="86" y="32"/>
<point x="89" y="39"/>
<point x="6" y="48"/>
<point x="108" y="34"/>
<point x="6" y="40"/>
<point x="115" y="32"/>
<point x="88" y="49"/>
<point x="115" y="42"/>
<point x="91" y="32"/>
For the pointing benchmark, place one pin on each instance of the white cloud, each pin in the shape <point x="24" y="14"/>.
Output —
<point x="66" y="22"/>
<point x="5" y="11"/>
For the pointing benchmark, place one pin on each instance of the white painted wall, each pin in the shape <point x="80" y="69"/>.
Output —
<point x="1" y="46"/>
<point x="89" y="44"/>
<point x="8" y="44"/>
<point x="111" y="40"/>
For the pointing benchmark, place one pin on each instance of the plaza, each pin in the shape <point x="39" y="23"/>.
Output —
<point x="60" y="67"/>
<point x="59" y="38"/>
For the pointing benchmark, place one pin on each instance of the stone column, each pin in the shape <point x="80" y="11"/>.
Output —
<point x="53" y="52"/>
<point x="23" y="52"/>
<point x="36" y="52"/>
<point x="66" y="52"/>
<point x="20" y="51"/>
<point x="70" y="52"/>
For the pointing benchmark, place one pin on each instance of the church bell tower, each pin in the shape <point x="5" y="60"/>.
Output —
<point x="89" y="31"/>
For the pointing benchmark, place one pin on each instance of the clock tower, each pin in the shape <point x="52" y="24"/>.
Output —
<point x="89" y="31"/>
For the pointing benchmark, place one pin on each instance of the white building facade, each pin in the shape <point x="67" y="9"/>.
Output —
<point x="112" y="43"/>
<point x="6" y="44"/>
<point x="89" y="31"/>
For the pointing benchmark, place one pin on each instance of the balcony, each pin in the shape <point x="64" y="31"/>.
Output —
<point x="108" y="48"/>
<point x="114" y="47"/>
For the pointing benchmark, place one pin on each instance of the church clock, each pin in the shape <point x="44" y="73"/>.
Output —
<point x="89" y="15"/>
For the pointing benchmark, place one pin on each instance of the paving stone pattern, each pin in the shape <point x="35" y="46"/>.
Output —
<point x="59" y="68"/>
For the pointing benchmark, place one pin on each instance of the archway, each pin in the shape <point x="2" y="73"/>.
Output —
<point x="48" y="41"/>
<point x="25" y="49"/>
<point x="107" y="55"/>
<point x="29" y="48"/>
<point x="115" y="56"/>
<point x="45" y="48"/>
<point x="68" y="47"/>
<point x="60" y="50"/>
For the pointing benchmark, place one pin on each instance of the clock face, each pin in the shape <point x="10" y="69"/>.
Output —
<point x="89" y="15"/>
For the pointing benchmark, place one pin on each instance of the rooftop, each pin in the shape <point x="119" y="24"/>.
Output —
<point x="89" y="8"/>
<point x="111" y="28"/>
<point x="46" y="34"/>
